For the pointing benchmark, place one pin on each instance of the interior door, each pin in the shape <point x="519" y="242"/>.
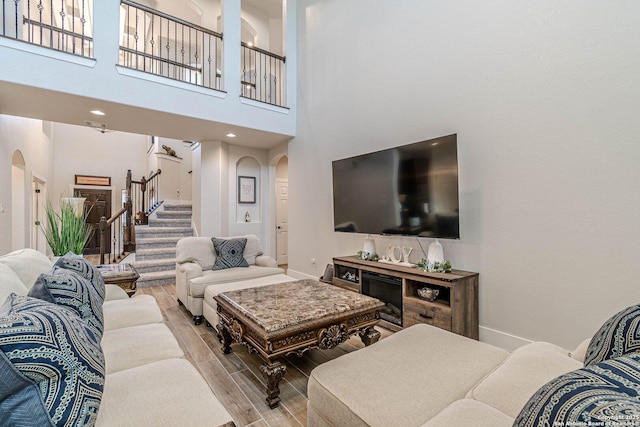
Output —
<point x="99" y="201"/>
<point x="282" y="221"/>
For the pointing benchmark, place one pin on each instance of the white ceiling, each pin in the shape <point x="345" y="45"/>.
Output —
<point x="37" y="103"/>
<point x="271" y="8"/>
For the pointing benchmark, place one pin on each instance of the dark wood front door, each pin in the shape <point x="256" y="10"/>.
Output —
<point x="99" y="201"/>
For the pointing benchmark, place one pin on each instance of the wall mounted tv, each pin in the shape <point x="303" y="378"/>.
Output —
<point x="407" y="190"/>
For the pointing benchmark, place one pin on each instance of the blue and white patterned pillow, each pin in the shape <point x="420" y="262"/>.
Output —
<point x="229" y="253"/>
<point x="74" y="292"/>
<point x="84" y="268"/>
<point x="602" y="394"/>
<point x="618" y="336"/>
<point x="51" y="366"/>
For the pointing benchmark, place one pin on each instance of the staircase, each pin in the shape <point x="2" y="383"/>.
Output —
<point x="156" y="245"/>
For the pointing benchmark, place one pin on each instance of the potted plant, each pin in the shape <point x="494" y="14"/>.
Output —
<point x="67" y="231"/>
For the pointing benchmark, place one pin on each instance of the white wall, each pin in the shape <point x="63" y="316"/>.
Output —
<point x="27" y="136"/>
<point x="83" y="151"/>
<point x="544" y="97"/>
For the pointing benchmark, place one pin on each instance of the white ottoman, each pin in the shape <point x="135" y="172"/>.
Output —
<point x="209" y="307"/>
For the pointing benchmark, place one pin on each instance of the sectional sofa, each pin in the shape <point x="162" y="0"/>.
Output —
<point x="148" y="382"/>
<point x="425" y="376"/>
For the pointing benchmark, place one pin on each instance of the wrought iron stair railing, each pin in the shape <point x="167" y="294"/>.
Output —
<point x="63" y="25"/>
<point x="263" y="75"/>
<point x="167" y="46"/>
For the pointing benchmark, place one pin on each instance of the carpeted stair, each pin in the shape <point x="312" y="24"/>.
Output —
<point x="156" y="244"/>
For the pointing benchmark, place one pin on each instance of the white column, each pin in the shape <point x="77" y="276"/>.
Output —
<point x="290" y="49"/>
<point x="211" y="189"/>
<point x="231" y="47"/>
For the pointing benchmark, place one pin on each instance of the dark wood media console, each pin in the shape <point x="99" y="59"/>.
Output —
<point x="455" y="309"/>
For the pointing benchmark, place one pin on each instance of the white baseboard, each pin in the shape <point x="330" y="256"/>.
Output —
<point x="501" y="339"/>
<point x="299" y="275"/>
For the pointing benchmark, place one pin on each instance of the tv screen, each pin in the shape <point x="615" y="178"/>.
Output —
<point x="407" y="190"/>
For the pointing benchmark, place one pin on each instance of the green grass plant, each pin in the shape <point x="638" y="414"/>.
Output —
<point x="66" y="231"/>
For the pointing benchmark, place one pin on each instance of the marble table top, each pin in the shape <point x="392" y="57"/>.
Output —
<point x="275" y="307"/>
<point x="117" y="271"/>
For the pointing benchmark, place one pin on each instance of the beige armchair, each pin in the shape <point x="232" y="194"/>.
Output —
<point x="195" y="257"/>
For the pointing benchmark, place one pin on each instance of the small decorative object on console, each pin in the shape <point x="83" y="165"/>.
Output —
<point x="428" y="294"/>
<point x="368" y="256"/>
<point x="438" y="267"/>
<point x="398" y="255"/>
<point x="435" y="254"/>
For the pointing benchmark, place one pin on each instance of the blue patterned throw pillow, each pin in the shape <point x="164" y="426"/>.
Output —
<point x="619" y="336"/>
<point x="78" y="264"/>
<point x="229" y="253"/>
<point x="72" y="291"/>
<point x="51" y="366"/>
<point x="602" y="394"/>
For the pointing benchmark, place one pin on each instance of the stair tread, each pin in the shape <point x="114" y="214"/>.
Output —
<point x="156" y="251"/>
<point x="149" y="229"/>
<point x="152" y="262"/>
<point x="157" y="275"/>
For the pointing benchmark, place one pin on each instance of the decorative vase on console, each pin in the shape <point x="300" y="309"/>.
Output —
<point x="435" y="254"/>
<point x="369" y="246"/>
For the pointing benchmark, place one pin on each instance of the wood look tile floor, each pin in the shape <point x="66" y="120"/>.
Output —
<point x="235" y="378"/>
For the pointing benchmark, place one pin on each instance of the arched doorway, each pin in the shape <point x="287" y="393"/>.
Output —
<point x="282" y="211"/>
<point x="18" y="202"/>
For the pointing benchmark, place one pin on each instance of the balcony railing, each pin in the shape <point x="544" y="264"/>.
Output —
<point x="160" y="44"/>
<point x="262" y="75"/>
<point x="64" y="25"/>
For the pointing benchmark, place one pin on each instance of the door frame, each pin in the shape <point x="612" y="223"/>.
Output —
<point x="277" y="181"/>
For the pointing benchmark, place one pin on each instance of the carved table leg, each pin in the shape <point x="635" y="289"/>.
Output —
<point x="369" y="336"/>
<point x="225" y="337"/>
<point x="273" y="373"/>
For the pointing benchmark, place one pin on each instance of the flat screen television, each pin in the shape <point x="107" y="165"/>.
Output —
<point x="407" y="190"/>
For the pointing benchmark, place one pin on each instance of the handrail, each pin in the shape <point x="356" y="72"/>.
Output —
<point x="165" y="60"/>
<point x="264" y="52"/>
<point x="116" y="216"/>
<point x="120" y="232"/>
<point x="171" y="18"/>
<point x="49" y="27"/>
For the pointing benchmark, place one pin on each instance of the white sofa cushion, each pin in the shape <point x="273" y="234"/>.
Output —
<point x="134" y="346"/>
<point x="28" y="264"/>
<point x="165" y="393"/>
<point x="10" y="283"/>
<point x="138" y="310"/>
<point x="469" y="412"/>
<point x="531" y="366"/>
<point x="208" y="278"/>
<point x="433" y="366"/>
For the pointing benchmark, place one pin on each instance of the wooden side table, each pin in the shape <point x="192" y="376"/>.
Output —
<point x="123" y="275"/>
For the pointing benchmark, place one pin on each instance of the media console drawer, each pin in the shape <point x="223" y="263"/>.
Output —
<point x="430" y="317"/>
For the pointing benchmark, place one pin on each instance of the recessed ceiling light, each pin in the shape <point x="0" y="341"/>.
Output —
<point x="231" y="135"/>
<point x="250" y="44"/>
<point x="98" y="112"/>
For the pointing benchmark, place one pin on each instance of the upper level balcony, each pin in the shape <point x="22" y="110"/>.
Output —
<point x="173" y="58"/>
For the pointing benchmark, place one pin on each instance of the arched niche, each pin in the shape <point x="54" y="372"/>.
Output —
<point x="18" y="202"/>
<point x="248" y="190"/>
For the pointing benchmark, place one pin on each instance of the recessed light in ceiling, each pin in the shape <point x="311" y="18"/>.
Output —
<point x="231" y="135"/>
<point x="98" y="112"/>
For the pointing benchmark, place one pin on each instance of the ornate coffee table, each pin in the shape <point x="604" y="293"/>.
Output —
<point x="291" y="318"/>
